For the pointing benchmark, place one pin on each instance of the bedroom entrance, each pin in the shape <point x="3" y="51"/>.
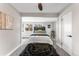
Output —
<point x="39" y="35"/>
<point x="41" y="26"/>
<point x="67" y="32"/>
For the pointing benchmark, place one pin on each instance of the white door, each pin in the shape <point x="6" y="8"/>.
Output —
<point x="67" y="32"/>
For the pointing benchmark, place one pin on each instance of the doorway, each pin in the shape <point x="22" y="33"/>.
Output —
<point x="67" y="32"/>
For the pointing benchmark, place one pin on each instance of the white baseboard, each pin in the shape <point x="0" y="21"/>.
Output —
<point x="58" y="45"/>
<point x="13" y="50"/>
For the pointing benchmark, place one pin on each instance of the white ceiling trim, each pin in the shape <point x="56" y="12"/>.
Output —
<point x="40" y="14"/>
<point x="38" y="19"/>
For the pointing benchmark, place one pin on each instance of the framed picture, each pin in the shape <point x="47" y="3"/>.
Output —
<point x="3" y="21"/>
<point x="9" y="22"/>
<point x="0" y="20"/>
<point x="49" y="26"/>
<point x="6" y="21"/>
<point x="28" y="27"/>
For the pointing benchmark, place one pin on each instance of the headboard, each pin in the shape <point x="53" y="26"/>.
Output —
<point x="40" y="29"/>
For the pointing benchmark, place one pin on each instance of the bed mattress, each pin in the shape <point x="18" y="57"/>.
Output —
<point x="39" y="39"/>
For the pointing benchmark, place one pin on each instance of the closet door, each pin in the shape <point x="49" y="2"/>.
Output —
<point x="67" y="32"/>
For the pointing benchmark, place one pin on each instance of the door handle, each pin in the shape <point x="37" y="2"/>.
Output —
<point x="69" y="35"/>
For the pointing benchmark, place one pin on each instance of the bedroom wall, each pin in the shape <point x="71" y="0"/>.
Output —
<point x="48" y="30"/>
<point x="10" y="39"/>
<point x="38" y="20"/>
<point x="75" y="29"/>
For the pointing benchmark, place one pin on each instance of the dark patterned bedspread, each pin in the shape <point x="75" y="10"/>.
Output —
<point x="39" y="49"/>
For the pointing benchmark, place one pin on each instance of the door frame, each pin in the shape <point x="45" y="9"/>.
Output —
<point x="63" y="30"/>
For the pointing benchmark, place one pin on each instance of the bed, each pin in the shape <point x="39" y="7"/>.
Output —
<point x="39" y="44"/>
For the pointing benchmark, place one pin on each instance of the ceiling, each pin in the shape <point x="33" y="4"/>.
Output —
<point x="33" y="7"/>
<point x="54" y="8"/>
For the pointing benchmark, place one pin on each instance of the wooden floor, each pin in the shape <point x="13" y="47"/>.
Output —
<point x="60" y="51"/>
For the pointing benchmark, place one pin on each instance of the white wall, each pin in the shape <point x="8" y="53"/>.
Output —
<point x="10" y="39"/>
<point x="75" y="29"/>
<point x="48" y="30"/>
<point x="38" y="20"/>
